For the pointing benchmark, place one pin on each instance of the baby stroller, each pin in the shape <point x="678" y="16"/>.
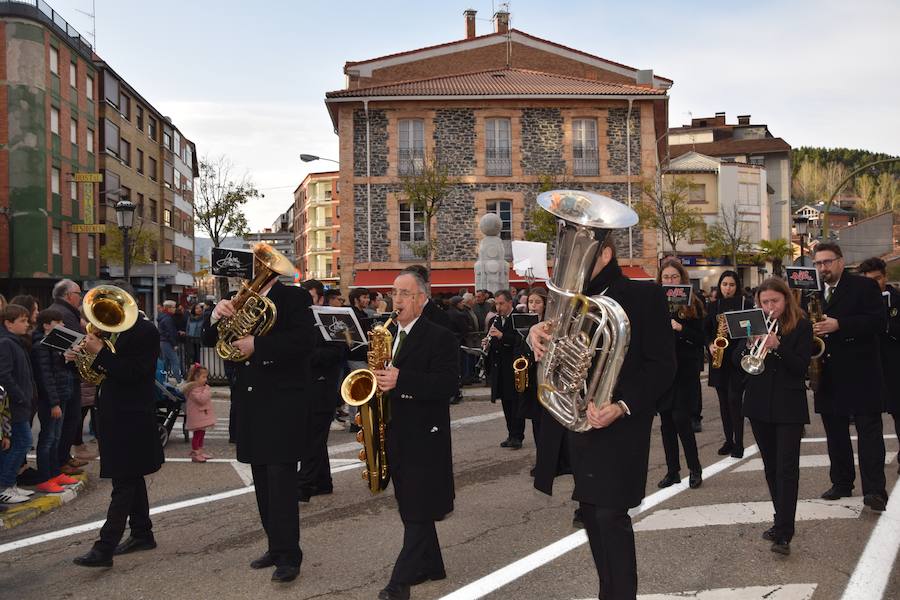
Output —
<point x="169" y="406"/>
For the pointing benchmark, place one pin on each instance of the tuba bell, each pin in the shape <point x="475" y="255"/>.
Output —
<point x="590" y="334"/>
<point x="108" y="310"/>
<point x="254" y="314"/>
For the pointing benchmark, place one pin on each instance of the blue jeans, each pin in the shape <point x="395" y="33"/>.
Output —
<point x="11" y="460"/>
<point x="172" y="362"/>
<point x="48" y="444"/>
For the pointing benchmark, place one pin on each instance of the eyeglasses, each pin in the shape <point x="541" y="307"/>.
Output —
<point x="403" y="294"/>
<point x="825" y="262"/>
<point x="78" y="292"/>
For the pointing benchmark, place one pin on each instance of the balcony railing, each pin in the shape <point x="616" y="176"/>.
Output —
<point x="498" y="162"/>
<point x="412" y="161"/>
<point x="587" y="161"/>
<point x="51" y="17"/>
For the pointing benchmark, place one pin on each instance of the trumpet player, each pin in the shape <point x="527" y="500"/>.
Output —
<point x="424" y="370"/>
<point x="852" y="381"/>
<point x="610" y="460"/>
<point x="502" y="340"/>
<point x="775" y="402"/>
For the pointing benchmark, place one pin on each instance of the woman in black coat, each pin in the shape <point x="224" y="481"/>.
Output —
<point x="728" y="379"/>
<point x="676" y="406"/>
<point x="775" y="402"/>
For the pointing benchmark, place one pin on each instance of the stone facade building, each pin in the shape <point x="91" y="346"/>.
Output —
<point x="503" y="113"/>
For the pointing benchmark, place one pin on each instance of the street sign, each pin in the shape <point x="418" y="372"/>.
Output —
<point x="88" y="177"/>
<point x="87" y="198"/>
<point x="88" y="228"/>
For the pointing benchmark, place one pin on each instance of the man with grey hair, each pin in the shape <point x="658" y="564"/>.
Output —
<point x="168" y="339"/>
<point x="67" y="300"/>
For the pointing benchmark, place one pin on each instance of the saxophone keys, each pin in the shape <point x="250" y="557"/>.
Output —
<point x="359" y="437"/>
<point x="358" y="420"/>
<point x="362" y="455"/>
<point x="365" y="475"/>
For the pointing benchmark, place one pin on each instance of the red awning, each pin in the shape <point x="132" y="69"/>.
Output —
<point x="453" y="280"/>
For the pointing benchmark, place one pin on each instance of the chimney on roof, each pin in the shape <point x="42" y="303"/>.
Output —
<point x="645" y="77"/>
<point x="743" y="119"/>
<point x="501" y="22"/>
<point x="720" y="118"/>
<point x="470" y="23"/>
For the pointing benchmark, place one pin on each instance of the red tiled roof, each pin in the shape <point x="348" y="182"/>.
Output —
<point x="480" y="37"/>
<point x="500" y="82"/>
<point x="730" y="147"/>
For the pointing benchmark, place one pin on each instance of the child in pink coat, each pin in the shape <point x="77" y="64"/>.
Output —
<point x="200" y="414"/>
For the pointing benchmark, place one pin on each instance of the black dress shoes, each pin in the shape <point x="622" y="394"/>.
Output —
<point x="285" y="573"/>
<point x="93" y="558"/>
<point x="836" y="492"/>
<point x="737" y="452"/>
<point x="263" y="562"/>
<point x="769" y="534"/>
<point x="876" y="502"/>
<point x="394" y="591"/>
<point x="577" y="521"/>
<point x="135" y="544"/>
<point x="307" y="492"/>
<point x="511" y="443"/>
<point x="423" y="577"/>
<point x="695" y="480"/>
<point x="669" y="479"/>
<point x="781" y="547"/>
<point x="725" y="450"/>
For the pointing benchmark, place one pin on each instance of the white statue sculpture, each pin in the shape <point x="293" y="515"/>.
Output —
<point x="491" y="269"/>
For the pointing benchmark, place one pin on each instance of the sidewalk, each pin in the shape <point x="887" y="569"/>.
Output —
<point x="13" y="515"/>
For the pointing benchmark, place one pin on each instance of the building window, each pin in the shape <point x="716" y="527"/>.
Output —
<point x="748" y="194"/>
<point x="412" y="146"/>
<point x="139" y="111"/>
<point x="168" y="173"/>
<point x="90" y="141"/>
<point x="110" y="89"/>
<point x="89" y="87"/>
<point x="167" y="217"/>
<point x="503" y="209"/>
<point x="584" y="147"/>
<point x="73" y="190"/>
<point x="73" y="75"/>
<point x="167" y="138"/>
<point x="54" y="120"/>
<point x="124" y="193"/>
<point x="111" y="131"/>
<point x="139" y="206"/>
<point x="125" y="151"/>
<point x="54" y="180"/>
<point x="54" y="60"/>
<point x="758" y="160"/>
<point x="125" y="106"/>
<point x="152" y="168"/>
<point x="498" y="147"/>
<point x="73" y="131"/>
<point x="90" y="247"/>
<point x="697" y="193"/>
<point x="140" y="161"/>
<point x="412" y="230"/>
<point x="151" y="128"/>
<point x="55" y="241"/>
<point x="74" y="238"/>
<point x="153" y="209"/>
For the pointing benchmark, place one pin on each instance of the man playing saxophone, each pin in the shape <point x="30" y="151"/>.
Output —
<point x="610" y="460"/>
<point x="419" y="383"/>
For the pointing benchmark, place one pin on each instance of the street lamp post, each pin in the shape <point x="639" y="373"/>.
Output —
<point x="313" y="158"/>
<point x="125" y="219"/>
<point x="802" y="224"/>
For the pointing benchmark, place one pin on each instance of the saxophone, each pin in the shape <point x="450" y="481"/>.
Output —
<point x="815" y="364"/>
<point x="720" y="343"/>
<point x="520" y="373"/>
<point x="360" y="389"/>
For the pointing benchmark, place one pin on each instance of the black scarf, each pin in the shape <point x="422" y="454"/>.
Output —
<point x="611" y="273"/>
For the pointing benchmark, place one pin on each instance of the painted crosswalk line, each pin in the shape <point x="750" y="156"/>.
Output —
<point x="746" y="512"/>
<point x="807" y="460"/>
<point x="788" y="591"/>
<point x="875" y="566"/>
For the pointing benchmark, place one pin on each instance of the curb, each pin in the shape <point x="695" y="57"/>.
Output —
<point x="18" y="514"/>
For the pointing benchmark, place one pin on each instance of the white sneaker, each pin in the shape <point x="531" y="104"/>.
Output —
<point x="9" y="496"/>
<point x="22" y="492"/>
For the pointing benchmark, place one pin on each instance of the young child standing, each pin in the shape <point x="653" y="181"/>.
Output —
<point x="15" y="378"/>
<point x="200" y="414"/>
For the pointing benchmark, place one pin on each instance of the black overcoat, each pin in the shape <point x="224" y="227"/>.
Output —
<point x="778" y="394"/>
<point x="435" y="314"/>
<point x="271" y="387"/>
<point x="689" y="344"/>
<point x="126" y="404"/>
<point x="852" y="378"/>
<point x="418" y="435"/>
<point x="501" y="354"/>
<point x="890" y="354"/>
<point x="720" y="377"/>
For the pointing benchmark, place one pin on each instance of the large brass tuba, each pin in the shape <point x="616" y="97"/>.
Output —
<point x="360" y="389"/>
<point x="108" y="310"/>
<point x="253" y="314"/>
<point x="590" y="334"/>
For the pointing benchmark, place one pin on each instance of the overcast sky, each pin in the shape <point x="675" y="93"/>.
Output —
<point x="248" y="79"/>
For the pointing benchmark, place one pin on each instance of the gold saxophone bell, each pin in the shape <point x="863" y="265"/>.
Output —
<point x="107" y="309"/>
<point x="520" y="373"/>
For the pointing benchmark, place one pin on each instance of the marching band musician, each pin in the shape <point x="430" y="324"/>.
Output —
<point x="424" y="370"/>
<point x="852" y="380"/>
<point x="875" y="268"/>
<point x="529" y="407"/>
<point x="676" y="406"/>
<point x="129" y="441"/>
<point x="269" y="392"/>
<point x="727" y="380"/>
<point x="610" y="461"/>
<point x="500" y="356"/>
<point x="775" y="403"/>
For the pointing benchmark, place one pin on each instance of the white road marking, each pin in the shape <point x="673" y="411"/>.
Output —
<point x="494" y="581"/>
<point x="789" y="591"/>
<point x="244" y="472"/>
<point x="747" y="512"/>
<point x="818" y="440"/>
<point x="875" y="566"/>
<point x="808" y="460"/>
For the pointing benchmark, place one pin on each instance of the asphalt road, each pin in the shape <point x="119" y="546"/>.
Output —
<point x="705" y="541"/>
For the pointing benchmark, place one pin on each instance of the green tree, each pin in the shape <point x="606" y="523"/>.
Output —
<point x="775" y="251"/>
<point x="426" y="188"/>
<point x="728" y="237"/>
<point x="543" y="224"/>
<point x="141" y="244"/>
<point x="665" y="207"/>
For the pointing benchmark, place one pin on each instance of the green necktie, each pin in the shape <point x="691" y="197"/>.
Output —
<point x="828" y="292"/>
<point x="400" y="337"/>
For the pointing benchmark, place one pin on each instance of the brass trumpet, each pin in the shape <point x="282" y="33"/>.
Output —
<point x="520" y="373"/>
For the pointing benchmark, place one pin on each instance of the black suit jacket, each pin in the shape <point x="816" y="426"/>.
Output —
<point x="721" y="376"/>
<point x="418" y="435"/>
<point x="271" y="387"/>
<point x="852" y="379"/>
<point x="501" y="354"/>
<point x="126" y="405"/>
<point x="778" y="394"/>
<point x="689" y="344"/>
<point x="890" y="354"/>
<point x="610" y="464"/>
<point x="435" y="314"/>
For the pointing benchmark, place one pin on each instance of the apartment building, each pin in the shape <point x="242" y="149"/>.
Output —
<point x="317" y="227"/>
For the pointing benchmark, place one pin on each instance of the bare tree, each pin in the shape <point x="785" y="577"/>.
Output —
<point x="665" y="206"/>
<point x="729" y="237"/>
<point x="426" y="188"/>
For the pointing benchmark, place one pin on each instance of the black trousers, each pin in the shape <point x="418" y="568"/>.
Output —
<point x="869" y="430"/>
<point x="697" y="410"/>
<point x="612" y="545"/>
<point x="71" y="421"/>
<point x="128" y="502"/>
<point x="675" y="424"/>
<point x="515" y="426"/>
<point x="315" y="468"/>
<point x="276" y="499"/>
<point x="779" y="445"/>
<point x="420" y="555"/>
<point x="731" y="410"/>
